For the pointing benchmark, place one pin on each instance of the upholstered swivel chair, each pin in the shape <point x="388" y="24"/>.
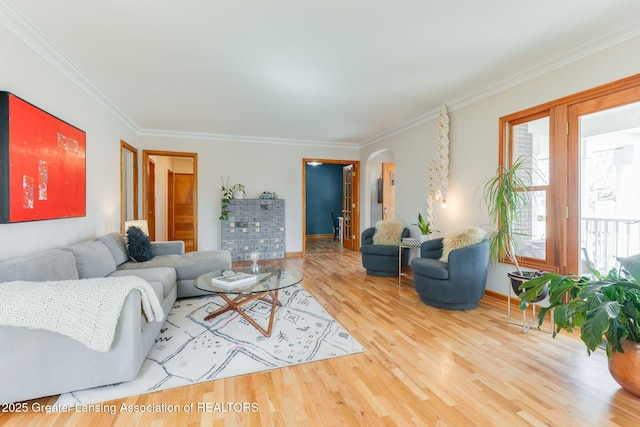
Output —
<point x="458" y="284"/>
<point x="379" y="259"/>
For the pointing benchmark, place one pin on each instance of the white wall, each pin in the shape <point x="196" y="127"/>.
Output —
<point x="260" y="167"/>
<point x="278" y="168"/>
<point x="474" y="142"/>
<point x="25" y="74"/>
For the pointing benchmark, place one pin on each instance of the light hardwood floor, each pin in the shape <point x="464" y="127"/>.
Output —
<point x="323" y="245"/>
<point x="422" y="366"/>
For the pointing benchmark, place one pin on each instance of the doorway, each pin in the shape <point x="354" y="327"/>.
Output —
<point x="128" y="183"/>
<point x="170" y="196"/>
<point x="330" y="186"/>
<point x="380" y="197"/>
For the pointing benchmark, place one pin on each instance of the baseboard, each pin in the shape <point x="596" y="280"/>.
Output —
<point x="319" y="236"/>
<point x="515" y="302"/>
<point x="293" y="254"/>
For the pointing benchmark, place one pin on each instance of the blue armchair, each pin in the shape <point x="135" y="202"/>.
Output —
<point x="458" y="284"/>
<point x="381" y="260"/>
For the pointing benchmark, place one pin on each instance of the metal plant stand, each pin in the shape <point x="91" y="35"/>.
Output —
<point x="526" y="325"/>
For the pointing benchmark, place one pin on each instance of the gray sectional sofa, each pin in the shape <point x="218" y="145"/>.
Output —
<point x="36" y="362"/>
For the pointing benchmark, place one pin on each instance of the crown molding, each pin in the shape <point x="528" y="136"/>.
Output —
<point x="248" y="139"/>
<point x="565" y="57"/>
<point x="25" y="32"/>
<point x="402" y="128"/>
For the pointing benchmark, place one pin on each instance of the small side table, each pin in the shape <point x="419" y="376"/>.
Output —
<point x="406" y="243"/>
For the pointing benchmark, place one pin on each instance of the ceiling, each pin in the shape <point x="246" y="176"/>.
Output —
<point x="316" y="72"/>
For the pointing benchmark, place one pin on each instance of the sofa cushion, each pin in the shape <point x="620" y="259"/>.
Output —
<point x="54" y="264"/>
<point x="388" y="233"/>
<point x="188" y="266"/>
<point x="93" y="259"/>
<point x="138" y="245"/>
<point x="161" y="279"/>
<point x="117" y="246"/>
<point x="384" y="250"/>
<point x="433" y="268"/>
<point x="460" y="239"/>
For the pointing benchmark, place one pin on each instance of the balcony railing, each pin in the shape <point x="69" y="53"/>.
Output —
<point x="604" y="239"/>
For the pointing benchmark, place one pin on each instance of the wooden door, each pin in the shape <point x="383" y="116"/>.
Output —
<point x="183" y="210"/>
<point x="128" y="183"/>
<point x="350" y="207"/>
<point x="602" y="210"/>
<point x="151" y="199"/>
<point x="388" y="191"/>
<point x="170" y="205"/>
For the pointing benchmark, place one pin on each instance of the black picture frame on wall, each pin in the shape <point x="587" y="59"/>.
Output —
<point x="4" y="161"/>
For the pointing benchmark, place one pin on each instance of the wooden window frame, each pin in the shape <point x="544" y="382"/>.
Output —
<point x="563" y="213"/>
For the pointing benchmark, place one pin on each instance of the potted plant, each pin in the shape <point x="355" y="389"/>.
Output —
<point x="605" y="308"/>
<point x="506" y="196"/>
<point x="236" y="191"/>
<point x="425" y="228"/>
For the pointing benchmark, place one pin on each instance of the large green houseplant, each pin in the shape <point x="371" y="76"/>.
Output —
<point x="506" y="196"/>
<point x="606" y="308"/>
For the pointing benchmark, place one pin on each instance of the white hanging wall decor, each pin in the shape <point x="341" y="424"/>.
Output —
<point x="438" y="170"/>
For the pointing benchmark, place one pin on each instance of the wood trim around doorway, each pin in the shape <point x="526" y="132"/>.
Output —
<point x="194" y="156"/>
<point x="356" y="221"/>
<point x="134" y="153"/>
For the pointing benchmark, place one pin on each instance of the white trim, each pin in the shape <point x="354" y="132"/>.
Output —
<point x="587" y="48"/>
<point x="409" y="125"/>
<point x="249" y="139"/>
<point x="25" y="32"/>
<point x="565" y="57"/>
<point x="18" y="25"/>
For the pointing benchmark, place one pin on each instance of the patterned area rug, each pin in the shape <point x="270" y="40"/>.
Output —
<point x="190" y="350"/>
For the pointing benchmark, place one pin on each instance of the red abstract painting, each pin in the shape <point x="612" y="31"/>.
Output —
<point x="42" y="164"/>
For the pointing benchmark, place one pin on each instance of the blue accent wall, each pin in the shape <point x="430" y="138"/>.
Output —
<point x="324" y="194"/>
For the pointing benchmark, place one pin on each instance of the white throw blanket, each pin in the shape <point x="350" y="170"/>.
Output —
<point x="86" y="310"/>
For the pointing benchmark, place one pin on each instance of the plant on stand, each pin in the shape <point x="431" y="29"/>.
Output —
<point x="425" y="228"/>
<point x="506" y="196"/>
<point x="606" y="308"/>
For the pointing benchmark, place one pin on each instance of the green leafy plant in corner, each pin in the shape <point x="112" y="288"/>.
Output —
<point x="424" y="225"/>
<point x="605" y="307"/>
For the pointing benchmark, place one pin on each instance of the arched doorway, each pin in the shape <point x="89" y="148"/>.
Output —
<point x="379" y="187"/>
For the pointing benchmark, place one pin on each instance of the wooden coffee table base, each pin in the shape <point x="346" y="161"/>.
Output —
<point x="270" y="297"/>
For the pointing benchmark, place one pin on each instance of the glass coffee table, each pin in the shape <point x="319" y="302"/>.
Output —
<point x="268" y="282"/>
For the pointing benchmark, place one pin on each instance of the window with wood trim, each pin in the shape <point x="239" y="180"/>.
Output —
<point x="528" y="137"/>
<point x="552" y="136"/>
